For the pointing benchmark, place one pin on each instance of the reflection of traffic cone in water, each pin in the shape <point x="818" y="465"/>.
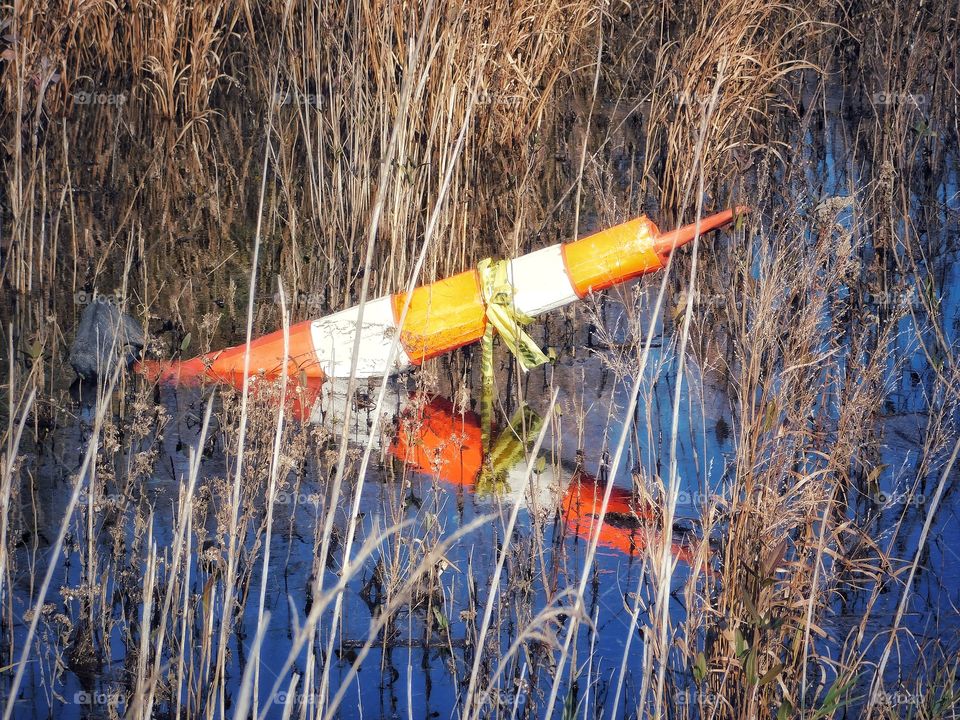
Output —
<point x="437" y="440"/>
<point x="627" y="525"/>
<point x="453" y="312"/>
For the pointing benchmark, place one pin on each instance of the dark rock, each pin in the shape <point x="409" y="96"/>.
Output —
<point x="104" y="336"/>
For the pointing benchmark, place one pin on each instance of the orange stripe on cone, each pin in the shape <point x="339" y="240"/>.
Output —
<point x="612" y="256"/>
<point x="667" y="242"/>
<point x="436" y="440"/>
<point x="302" y="392"/>
<point x="630" y="250"/>
<point x="626" y="525"/>
<point x="266" y="357"/>
<point x="443" y="316"/>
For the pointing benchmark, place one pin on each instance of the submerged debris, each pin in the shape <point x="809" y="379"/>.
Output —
<point x="104" y="335"/>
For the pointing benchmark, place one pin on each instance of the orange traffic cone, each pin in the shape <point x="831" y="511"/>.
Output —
<point x="449" y="313"/>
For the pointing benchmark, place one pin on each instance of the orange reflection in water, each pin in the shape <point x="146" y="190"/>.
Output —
<point x="440" y="441"/>
<point x="435" y="439"/>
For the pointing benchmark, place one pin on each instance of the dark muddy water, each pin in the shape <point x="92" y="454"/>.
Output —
<point x="417" y="665"/>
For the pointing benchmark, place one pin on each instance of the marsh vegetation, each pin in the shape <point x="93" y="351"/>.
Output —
<point x="771" y="423"/>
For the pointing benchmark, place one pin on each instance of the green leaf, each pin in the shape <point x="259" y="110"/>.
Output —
<point x="931" y="292"/>
<point x="570" y="705"/>
<point x="700" y="668"/>
<point x="832" y="700"/>
<point x="186" y="342"/>
<point x="751" y="668"/>
<point x="944" y="703"/>
<point x="741" y="644"/>
<point x="771" y="674"/>
<point x="785" y="710"/>
<point x="771" y="416"/>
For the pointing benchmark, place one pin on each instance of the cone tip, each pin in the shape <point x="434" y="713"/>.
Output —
<point x="670" y="241"/>
<point x="171" y="372"/>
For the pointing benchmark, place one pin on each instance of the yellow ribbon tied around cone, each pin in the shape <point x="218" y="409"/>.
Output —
<point x="504" y="319"/>
<point x="508" y="450"/>
<point x="497" y="293"/>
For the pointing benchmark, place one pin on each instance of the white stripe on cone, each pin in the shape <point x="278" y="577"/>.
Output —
<point x="333" y="338"/>
<point x="540" y="281"/>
